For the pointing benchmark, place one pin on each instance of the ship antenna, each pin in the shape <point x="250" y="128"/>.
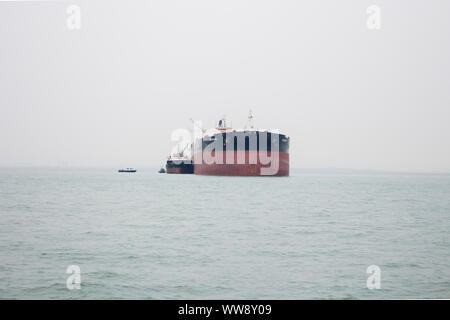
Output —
<point x="250" y="120"/>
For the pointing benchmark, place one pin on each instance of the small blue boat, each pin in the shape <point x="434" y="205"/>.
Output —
<point x="127" y="170"/>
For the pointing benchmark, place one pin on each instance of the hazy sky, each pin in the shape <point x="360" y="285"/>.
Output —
<point x="112" y="92"/>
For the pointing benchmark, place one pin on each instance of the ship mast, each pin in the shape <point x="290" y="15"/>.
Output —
<point x="250" y="120"/>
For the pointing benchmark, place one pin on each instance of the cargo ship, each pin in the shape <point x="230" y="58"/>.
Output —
<point x="241" y="152"/>
<point x="179" y="162"/>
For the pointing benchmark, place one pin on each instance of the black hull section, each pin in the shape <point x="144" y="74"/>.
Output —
<point x="185" y="167"/>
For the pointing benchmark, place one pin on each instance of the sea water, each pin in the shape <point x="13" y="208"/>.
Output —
<point x="158" y="236"/>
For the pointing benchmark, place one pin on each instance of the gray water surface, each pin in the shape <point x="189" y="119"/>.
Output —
<point x="159" y="236"/>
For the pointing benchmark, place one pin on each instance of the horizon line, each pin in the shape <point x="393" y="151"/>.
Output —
<point x="153" y="166"/>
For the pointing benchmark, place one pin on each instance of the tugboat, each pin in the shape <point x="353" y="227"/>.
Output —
<point x="162" y="170"/>
<point x="179" y="163"/>
<point x="127" y="170"/>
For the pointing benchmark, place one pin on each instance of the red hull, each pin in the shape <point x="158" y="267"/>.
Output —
<point x="278" y="165"/>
